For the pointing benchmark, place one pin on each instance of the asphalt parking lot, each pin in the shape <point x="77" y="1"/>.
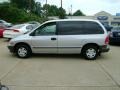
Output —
<point x="60" y="72"/>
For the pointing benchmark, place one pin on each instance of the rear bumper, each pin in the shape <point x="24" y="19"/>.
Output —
<point x="10" y="35"/>
<point x="104" y="48"/>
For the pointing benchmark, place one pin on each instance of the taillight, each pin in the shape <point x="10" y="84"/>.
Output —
<point x="15" y="30"/>
<point x="107" y="40"/>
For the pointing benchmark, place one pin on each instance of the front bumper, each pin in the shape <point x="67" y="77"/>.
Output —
<point x="104" y="48"/>
<point x="11" y="49"/>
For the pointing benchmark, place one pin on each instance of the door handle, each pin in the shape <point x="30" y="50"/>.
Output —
<point x="53" y="39"/>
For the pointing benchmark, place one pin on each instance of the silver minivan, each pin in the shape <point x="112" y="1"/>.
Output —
<point x="68" y="36"/>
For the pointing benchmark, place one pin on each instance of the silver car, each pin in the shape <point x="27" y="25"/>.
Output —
<point x="86" y="37"/>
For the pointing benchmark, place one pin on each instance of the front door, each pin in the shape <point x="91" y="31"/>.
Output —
<point x="45" y="39"/>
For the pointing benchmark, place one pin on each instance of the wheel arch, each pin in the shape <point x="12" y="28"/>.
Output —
<point x="90" y="44"/>
<point x="21" y="43"/>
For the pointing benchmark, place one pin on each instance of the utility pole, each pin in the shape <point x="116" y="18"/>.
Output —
<point x="61" y="4"/>
<point x="71" y="10"/>
<point x="46" y="9"/>
<point x="46" y="1"/>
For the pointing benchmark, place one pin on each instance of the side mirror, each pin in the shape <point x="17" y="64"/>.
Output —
<point x="32" y="34"/>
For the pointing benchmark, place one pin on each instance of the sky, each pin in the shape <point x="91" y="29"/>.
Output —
<point x="88" y="7"/>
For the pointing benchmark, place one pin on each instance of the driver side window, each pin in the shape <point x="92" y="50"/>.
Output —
<point x="46" y="29"/>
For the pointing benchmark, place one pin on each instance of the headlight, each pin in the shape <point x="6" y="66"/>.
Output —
<point x="111" y="34"/>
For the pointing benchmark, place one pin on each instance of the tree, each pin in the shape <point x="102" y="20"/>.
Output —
<point x="51" y="10"/>
<point x="15" y="15"/>
<point x="62" y="13"/>
<point x="24" y="4"/>
<point x="37" y="9"/>
<point x="78" y="13"/>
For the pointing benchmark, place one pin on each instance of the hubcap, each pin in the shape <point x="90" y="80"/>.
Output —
<point x="22" y="52"/>
<point x="91" y="53"/>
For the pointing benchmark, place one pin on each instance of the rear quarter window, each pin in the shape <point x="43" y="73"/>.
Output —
<point x="92" y="28"/>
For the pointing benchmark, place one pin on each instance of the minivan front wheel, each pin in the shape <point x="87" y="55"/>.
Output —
<point x="23" y="51"/>
<point x="90" y="52"/>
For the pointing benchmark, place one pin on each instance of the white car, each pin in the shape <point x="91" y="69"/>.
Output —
<point x="18" y="30"/>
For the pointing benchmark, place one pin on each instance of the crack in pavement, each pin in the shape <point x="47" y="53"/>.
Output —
<point x="10" y="70"/>
<point x="112" y="78"/>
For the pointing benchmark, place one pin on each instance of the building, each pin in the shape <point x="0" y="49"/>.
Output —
<point x="103" y="17"/>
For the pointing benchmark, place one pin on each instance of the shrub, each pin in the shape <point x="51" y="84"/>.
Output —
<point x="14" y="15"/>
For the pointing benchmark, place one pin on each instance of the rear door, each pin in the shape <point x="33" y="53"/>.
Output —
<point x="69" y="38"/>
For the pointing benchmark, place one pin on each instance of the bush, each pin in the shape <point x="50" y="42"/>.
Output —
<point x="62" y="13"/>
<point x="14" y="15"/>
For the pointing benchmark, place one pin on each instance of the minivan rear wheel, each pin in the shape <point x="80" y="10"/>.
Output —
<point x="23" y="51"/>
<point x="90" y="52"/>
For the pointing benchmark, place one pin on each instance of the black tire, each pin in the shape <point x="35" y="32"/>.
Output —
<point x="90" y="52"/>
<point x="23" y="51"/>
<point x="3" y="87"/>
<point x="111" y="43"/>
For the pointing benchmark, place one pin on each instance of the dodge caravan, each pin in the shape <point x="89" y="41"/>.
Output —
<point x="68" y="36"/>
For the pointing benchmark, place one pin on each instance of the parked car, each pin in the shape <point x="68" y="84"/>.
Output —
<point x="115" y="35"/>
<point x="88" y="37"/>
<point x="2" y="26"/>
<point x="33" y="22"/>
<point x="18" y="30"/>
<point x="4" y="23"/>
<point x="108" y="27"/>
<point x="1" y="32"/>
<point x="2" y="29"/>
